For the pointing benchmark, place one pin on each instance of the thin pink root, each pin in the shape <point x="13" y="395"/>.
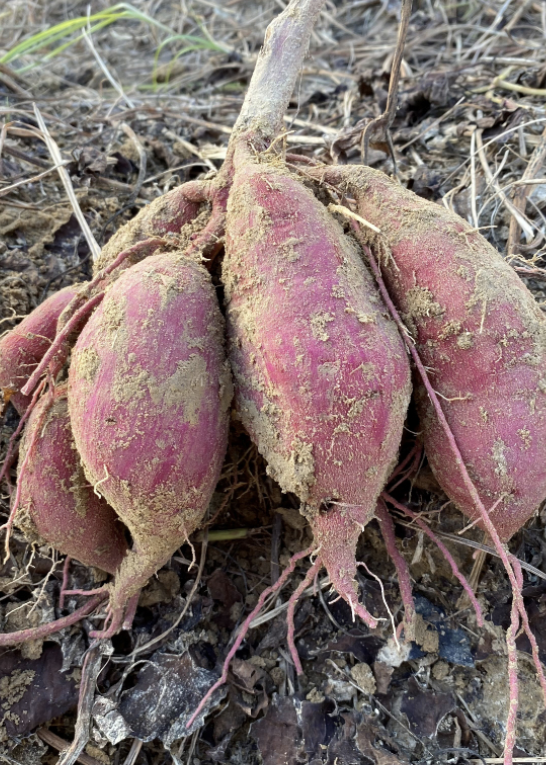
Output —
<point x="413" y="458"/>
<point x="88" y="593"/>
<point x="131" y="611"/>
<point x="518" y="598"/>
<point x="11" y="446"/>
<point x="309" y="577"/>
<point x="112" y="625"/>
<point x="207" y="241"/>
<point x="245" y="627"/>
<point x="445" y="552"/>
<point x="58" y="350"/>
<point x="44" y="630"/>
<point x="357" y="609"/>
<point x="511" y="721"/>
<point x="8" y="526"/>
<point x="64" y="584"/>
<point x="402" y="569"/>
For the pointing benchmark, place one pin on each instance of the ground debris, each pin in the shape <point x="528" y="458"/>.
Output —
<point x="33" y="691"/>
<point x="166" y="693"/>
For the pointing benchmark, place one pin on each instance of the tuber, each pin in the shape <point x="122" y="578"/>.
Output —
<point x="481" y="335"/>
<point x="321" y="375"/>
<point x="56" y="504"/>
<point x="165" y="215"/>
<point x="149" y="393"/>
<point x="22" y="348"/>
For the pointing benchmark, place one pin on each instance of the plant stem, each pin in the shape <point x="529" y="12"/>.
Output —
<point x="277" y="68"/>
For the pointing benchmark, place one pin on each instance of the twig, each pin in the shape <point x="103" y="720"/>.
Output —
<point x="61" y="745"/>
<point x="90" y="671"/>
<point x="130" y="133"/>
<point x="386" y="119"/>
<point x="522" y="192"/>
<point x="189" y="599"/>
<point x="67" y="183"/>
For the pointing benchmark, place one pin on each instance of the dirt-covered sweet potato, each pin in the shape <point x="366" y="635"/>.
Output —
<point x="149" y="393"/>
<point x="57" y="505"/>
<point x="482" y="337"/>
<point x="23" y="347"/>
<point x="321" y="374"/>
<point x="165" y="215"/>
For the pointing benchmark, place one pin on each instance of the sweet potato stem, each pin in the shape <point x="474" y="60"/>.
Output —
<point x="11" y="446"/>
<point x="56" y="351"/>
<point x="277" y="68"/>
<point x="81" y="305"/>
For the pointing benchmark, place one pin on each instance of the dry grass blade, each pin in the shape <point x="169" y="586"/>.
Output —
<point x="90" y="672"/>
<point x="516" y="213"/>
<point x="102" y="64"/>
<point x="65" y="178"/>
<point x="61" y="745"/>
<point x="522" y="192"/>
<point x="7" y="189"/>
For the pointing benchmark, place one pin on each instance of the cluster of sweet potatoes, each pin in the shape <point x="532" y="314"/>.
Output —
<point x="126" y="383"/>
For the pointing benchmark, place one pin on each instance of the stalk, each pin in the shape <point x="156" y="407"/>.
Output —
<point x="279" y="62"/>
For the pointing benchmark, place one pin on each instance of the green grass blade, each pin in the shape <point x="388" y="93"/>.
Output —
<point x="96" y="21"/>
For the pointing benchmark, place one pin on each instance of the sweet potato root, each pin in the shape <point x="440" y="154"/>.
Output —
<point x="165" y="215"/>
<point x="57" y="505"/>
<point x="321" y="375"/>
<point x="149" y="393"/>
<point x="482" y="336"/>
<point x="23" y="347"/>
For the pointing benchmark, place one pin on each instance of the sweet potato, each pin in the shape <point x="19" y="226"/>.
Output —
<point x="57" y="505"/>
<point x="23" y="347"/>
<point x="165" y="215"/>
<point x="321" y="374"/>
<point x="481" y="335"/>
<point x="149" y="392"/>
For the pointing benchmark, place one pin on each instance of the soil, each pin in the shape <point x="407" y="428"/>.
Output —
<point x="469" y="125"/>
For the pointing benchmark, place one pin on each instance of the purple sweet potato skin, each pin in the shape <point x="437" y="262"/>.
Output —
<point x="58" y="505"/>
<point x="23" y="348"/>
<point x="149" y="394"/>
<point x="165" y="215"/>
<point x="321" y="375"/>
<point x="482" y="336"/>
